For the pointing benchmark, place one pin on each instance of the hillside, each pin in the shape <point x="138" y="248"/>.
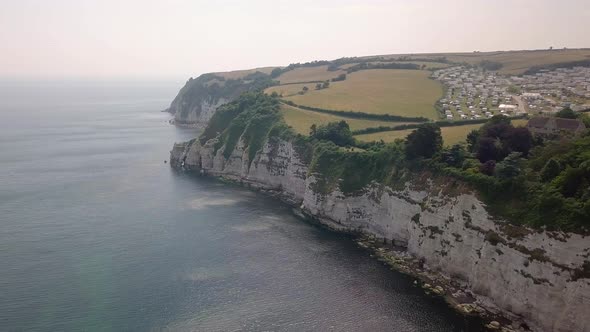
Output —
<point x="414" y="86"/>
<point x="390" y="90"/>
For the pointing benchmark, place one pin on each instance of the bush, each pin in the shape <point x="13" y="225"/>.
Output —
<point x="510" y="167"/>
<point x="567" y="113"/>
<point x="424" y="142"/>
<point x="339" y="78"/>
<point x="455" y="156"/>
<point x="488" y="167"/>
<point x="490" y="65"/>
<point x="337" y="132"/>
<point x="551" y="169"/>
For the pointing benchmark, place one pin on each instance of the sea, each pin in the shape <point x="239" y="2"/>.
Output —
<point x="98" y="233"/>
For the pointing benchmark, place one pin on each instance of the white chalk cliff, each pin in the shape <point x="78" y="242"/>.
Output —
<point x="540" y="277"/>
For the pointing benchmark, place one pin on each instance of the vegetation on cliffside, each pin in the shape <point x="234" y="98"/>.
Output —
<point x="253" y="117"/>
<point x="523" y="179"/>
<point x="210" y="88"/>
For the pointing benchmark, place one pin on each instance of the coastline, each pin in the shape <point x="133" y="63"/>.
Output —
<point x="184" y="125"/>
<point x="455" y="295"/>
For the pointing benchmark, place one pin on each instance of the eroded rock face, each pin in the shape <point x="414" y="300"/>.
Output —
<point x="195" y="115"/>
<point x="530" y="275"/>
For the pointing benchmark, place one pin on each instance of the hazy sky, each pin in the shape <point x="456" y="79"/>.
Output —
<point x="182" y="38"/>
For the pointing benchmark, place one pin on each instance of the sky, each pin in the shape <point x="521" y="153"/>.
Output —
<point x="183" y="38"/>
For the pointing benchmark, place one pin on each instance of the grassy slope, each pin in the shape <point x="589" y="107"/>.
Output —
<point x="290" y="89"/>
<point x="451" y="135"/>
<point x="307" y="74"/>
<point x="379" y="91"/>
<point x="301" y="120"/>
<point x="242" y="73"/>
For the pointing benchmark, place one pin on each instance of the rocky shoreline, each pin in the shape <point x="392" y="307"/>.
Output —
<point x="454" y="294"/>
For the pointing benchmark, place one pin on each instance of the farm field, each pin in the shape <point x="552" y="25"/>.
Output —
<point x="289" y="89"/>
<point x="517" y="62"/>
<point x="451" y="135"/>
<point x="379" y="91"/>
<point x="301" y="120"/>
<point x="308" y="74"/>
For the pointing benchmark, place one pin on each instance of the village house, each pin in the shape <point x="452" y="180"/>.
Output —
<point x="553" y="126"/>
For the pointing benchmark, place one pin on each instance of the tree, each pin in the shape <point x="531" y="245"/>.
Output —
<point x="337" y="132"/>
<point x="424" y="142"/>
<point x="570" y="181"/>
<point x="318" y="86"/>
<point x="340" y="77"/>
<point x="519" y="139"/>
<point x="567" y="113"/>
<point x="276" y="72"/>
<point x="551" y="169"/>
<point x="510" y="167"/>
<point x="455" y="156"/>
<point x="488" y="148"/>
<point x="498" y="137"/>
<point x="313" y="129"/>
<point x="326" y="84"/>
<point x="305" y="88"/>
<point x="496" y="127"/>
<point x="333" y="67"/>
<point x="472" y="138"/>
<point x="488" y="167"/>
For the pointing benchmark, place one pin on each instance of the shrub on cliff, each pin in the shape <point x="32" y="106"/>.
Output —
<point x="498" y="138"/>
<point x="228" y="113"/>
<point x="337" y="132"/>
<point x="424" y="142"/>
<point x="253" y="117"/>
<point x="336" y="168"/>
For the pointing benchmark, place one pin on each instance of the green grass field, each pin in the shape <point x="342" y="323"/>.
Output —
<point x="451" y="135"/>
<point x="290" y="89"/>
<point x="308" y="74"/>
<point x="379" y="91"/>
<point x="301" y="120"/>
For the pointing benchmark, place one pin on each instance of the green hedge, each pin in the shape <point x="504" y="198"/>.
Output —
<point x="441" y="124"/>
<point x="359" y="115"/>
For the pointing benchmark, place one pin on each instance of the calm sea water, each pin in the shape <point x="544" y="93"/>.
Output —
<point x="97" y="233"/>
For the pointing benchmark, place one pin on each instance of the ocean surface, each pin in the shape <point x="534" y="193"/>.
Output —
<point x="97" y="233"/>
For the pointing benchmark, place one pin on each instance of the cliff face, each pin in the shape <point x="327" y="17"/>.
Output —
<point x="195" y="114"/>
<point x="538" y="277"/>
<point x="198" y="100"/>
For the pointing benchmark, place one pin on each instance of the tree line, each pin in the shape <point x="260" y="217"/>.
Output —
<point x="359" y="115"/>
